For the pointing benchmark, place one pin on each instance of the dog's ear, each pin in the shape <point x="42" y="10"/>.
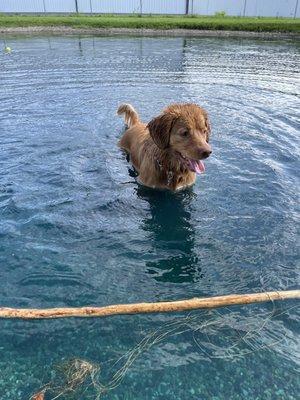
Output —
<point x="160" y="129"/>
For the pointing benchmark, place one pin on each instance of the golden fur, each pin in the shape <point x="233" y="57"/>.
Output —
<point x="165" y="150"/>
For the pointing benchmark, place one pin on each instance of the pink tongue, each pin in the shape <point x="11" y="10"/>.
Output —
<point x="198" y="166"/>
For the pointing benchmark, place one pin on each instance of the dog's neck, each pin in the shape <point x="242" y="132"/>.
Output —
<point x="171" y="168"/>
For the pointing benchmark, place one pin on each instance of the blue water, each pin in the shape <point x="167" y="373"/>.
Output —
<point x="76" y="229"/>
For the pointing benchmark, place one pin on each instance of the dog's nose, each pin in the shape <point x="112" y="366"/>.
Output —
<point x="204" y="153"/>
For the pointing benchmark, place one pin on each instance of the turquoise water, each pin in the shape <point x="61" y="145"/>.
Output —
<point x="76" y="229"/>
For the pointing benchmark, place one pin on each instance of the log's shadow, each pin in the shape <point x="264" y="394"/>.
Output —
<point x="171" y="231"/>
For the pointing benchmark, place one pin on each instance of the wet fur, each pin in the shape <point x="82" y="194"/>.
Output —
<point x="155" y="149"/>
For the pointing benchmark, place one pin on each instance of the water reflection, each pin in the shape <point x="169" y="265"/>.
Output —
<point x="169" y="225"/>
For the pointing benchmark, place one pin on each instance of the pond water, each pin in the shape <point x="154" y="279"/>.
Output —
<point x="76" y="229"/>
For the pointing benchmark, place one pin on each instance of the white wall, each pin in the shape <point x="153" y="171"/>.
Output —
<point x="64" y="6"/>
<point x="253" y="8"/>
<point x="210" y="7"/>
<point x="272" y="8"/>
<point x="96" y="6"/>
<point x="21" y="6"/>
<point x="132" y="6"/>
<point x="109" y="6"/>
<point x="164" y="6"/>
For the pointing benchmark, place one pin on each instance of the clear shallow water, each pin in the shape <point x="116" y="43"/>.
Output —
<point x="75" y="228"/>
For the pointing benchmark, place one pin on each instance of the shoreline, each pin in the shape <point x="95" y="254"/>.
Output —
<point x="65" y="30"/>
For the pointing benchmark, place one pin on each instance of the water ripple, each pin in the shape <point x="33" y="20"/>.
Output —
<point x="76" y="228"/>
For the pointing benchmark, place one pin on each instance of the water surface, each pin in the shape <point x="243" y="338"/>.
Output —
<point x="76" y="229"/>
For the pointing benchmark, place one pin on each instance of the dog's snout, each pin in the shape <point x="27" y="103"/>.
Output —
<point x="204" y="152"/>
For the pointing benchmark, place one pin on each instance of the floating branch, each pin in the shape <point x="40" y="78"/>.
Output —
<point x="143" y="308"/>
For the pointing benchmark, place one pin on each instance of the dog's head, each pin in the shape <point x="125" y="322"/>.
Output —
<point x="185" y="129"/>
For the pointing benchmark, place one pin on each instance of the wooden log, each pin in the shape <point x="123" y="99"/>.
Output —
<point x="143" y="308"/>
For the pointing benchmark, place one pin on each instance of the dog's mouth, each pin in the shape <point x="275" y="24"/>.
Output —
<point x="193" y="165"/>
<point x="196" y="166"/>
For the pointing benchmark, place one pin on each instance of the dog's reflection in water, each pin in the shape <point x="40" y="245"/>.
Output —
<point x="172" y="232"/>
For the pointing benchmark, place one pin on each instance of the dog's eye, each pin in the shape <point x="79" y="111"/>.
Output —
<point x="184" y="133"/>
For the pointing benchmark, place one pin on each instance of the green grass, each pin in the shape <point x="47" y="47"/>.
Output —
<point x="155" y="22"/>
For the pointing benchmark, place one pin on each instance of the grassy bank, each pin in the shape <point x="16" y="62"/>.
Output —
<point x="154" y="22"/>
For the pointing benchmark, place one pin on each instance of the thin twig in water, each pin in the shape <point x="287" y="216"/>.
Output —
<point x="82" y="375"/>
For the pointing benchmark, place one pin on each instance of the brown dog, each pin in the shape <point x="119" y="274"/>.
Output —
<point x="168" y="152"/>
